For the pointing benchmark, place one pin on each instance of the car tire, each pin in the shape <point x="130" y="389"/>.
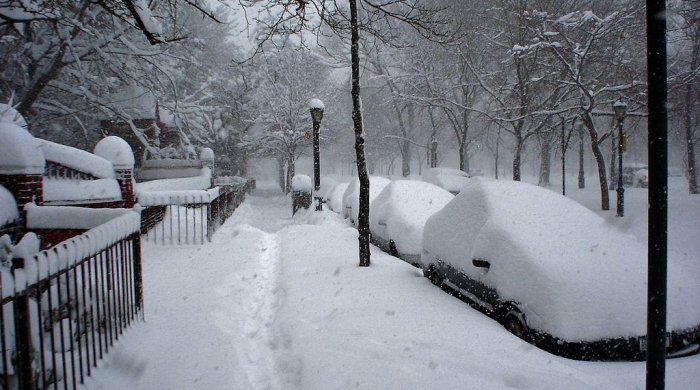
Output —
<point x="392" y="249"/>
<point x="514" y="322"/>
<point x="434" y="276"/>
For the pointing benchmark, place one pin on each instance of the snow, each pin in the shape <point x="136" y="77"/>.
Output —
<point x="201" y="182"/>
<point x="57" y="190"/>
<point x="117" y="151"/>
<point x="77" y="159"/>
<point x="177" y="197"/>
<point x="403" y="207"/>
<point x="9" y="115"/>
<point x="316" y="103"/>
<point x="448" y="178"/>
<point x="302" y="183"/>
<point x="278" y="302"/>
<point x="68" y="217"/>
<point x="152" y="25"/>
<point x="206" y="154"/>
<point x="20" y="152"/>
<point x="8" y="207"/>
<point x="351" y="197"/>
<point x="535" y="237"/>
<point x="335" y="199"/>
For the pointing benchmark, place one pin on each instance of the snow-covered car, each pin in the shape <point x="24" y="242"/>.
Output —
<point x="335" y="197"/>
<point x="555" y="273"/>
<point x="630" y="177"/>
<point x="641" y="178"/>
<point x="351" y="197"/>
<point x="448" y="178"/>
<point x="399" y="213"/>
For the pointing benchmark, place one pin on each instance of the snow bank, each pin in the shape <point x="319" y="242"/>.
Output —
<point x="579" y="277"/>
<point x="57" y="190"/>
<point x="201" y="182"/>
<point x="160" y="198"/>
<point x="402" y="208"/>
<point x="8" y="207"/>
<point x="20" y="152"/>
<point x="117" y="151"/>
<point x="77" y="159"/>
<point x="351" y="197"/>
<point x="302" y="183"/>
<point x="68" y="217"/>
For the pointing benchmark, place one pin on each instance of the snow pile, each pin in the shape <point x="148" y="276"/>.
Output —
<point x="579" y="277"/>
<point x="399" y="212"/>
<point x="316" y="104"/>
<point x="160" y="198"/>
<point x="77" y="159"/>
<point x="200" y="182"/>
<point x="351" y="197"/>
<point x="117" y="151"/>
<point x="20" y="152"/>
<point x="448" y="178"/>
<point x="58" y="190"/>
<point x="335" y="198"/>
<point x="8" y="207"/>
<point x="302" y="183"/>
<point x="68" y="217"/>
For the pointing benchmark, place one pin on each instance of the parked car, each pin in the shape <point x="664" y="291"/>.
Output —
<point x="555" y="273"/>
<point x="351" y="197"/>
<point x="399" y="213"/>
<point x="631" y="177"/>
<point x="335" y="197"/>
<point x="448" y="178"/>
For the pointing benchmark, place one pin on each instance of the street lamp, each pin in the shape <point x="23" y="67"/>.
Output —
<point x="316" y="107"/>
<point x="620" y="109"/>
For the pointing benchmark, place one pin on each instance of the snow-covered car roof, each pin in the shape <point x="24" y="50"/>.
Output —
<point x="404" y="206"/>
<point x="577" y="276"/>
<point x="448" y="178"/>
<point x="351" y="197"/>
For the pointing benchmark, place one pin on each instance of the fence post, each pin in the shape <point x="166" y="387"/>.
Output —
<point x="23" y="333"/>
<point x="138" y="273"/>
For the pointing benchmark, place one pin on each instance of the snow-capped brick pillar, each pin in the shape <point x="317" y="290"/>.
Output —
<point x="119" y="153"/>
<point x="206" y="156"/>
<point x="21" y="165"/>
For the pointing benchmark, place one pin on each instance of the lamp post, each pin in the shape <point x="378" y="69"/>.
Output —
<point x="620" y="109"/>
<point x="316" y="107"/>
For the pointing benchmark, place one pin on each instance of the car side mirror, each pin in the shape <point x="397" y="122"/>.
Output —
<point x="481" y="263"/>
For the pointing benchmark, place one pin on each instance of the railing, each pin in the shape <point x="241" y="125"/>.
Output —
<point x="63" y="308"/>
<point x="188" y="217"/>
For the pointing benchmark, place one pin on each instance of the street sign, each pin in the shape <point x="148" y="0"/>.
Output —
<point x="307" y="135"/>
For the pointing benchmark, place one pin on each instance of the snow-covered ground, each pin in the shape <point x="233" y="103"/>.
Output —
<point x="278" y="302"/>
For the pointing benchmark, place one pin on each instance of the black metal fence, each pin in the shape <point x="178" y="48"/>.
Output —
<point x="63" y="308"/>
<point x="189" y="217"/>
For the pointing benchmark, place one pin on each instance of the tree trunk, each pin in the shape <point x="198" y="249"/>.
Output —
<point x="281" y="176"/>
<point x="405" y="158"/>
<point x="517" y="155"/>
<point x="600" y="161"/>
<point x="693" y="187"/>
<point x="363" y="215"/>
<point x="581" y="171"/>
<point x="545" y="164"/>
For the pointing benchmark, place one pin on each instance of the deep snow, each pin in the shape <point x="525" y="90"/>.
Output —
<point x="278" y="302"/>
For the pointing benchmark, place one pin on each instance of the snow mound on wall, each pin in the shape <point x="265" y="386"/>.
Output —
<point x="201" y="182"/>
<point x="582" y="278"/>
<point x="77" y="159"/>
<point x="8" y="207"/>
<point x="20" y="152"/>
<point x="117" y="151"/>
<point x="404" y="206"/>
<point x="56" y="190"/>
<point x="68" y="217"/>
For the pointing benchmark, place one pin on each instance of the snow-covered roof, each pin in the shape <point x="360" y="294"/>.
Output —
<point x="448" y="178"/>
<point x="403" y="207"/>
<point x="77" y="159"/>
<point x="20" y="152"/>
<point x="117" y="151"/>
<point x="8" y="207"/>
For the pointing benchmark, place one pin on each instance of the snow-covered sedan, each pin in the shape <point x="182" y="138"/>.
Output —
<point x="399" y="213"/>
<point x="448" y="178"/>
<point x="351" y="196"/>
<point x="555" y="273"/>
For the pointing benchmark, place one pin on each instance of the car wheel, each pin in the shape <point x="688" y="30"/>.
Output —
<point x="434" y="276"/>
<point x="392" y="249"/>
<point x="514" y="322"/>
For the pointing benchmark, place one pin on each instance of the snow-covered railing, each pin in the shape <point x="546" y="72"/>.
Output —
<point x="188" y="217"/>
<point x="64" y="307"/>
